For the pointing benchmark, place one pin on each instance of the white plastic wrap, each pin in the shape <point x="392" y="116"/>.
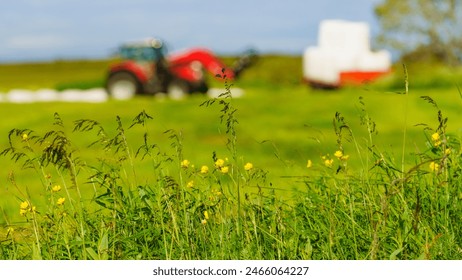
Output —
<point x="342" y="47"/>
<point x="374" y="61"/>
<point x="319" y="69"/>
<point x="340" y="35"/>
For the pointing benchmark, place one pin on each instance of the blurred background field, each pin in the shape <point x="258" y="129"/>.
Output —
<point x="282" y="122"/>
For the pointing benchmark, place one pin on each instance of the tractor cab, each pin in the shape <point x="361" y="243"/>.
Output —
<point x="150" y="50"/>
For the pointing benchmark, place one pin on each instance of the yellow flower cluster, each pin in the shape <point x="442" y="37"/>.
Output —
<point x="25" y="207"/>
<point x="436" y="139"/>
<point x="328" y="161"/>
<point x="61" y="201"/>
<point x="339" y="154"/>
<point x="220" y="165"/>
<point x="204" y="169"/>
<point x="56" y="188"/>
<point x="185" y="163"/>
<point x="248" y="166"/>
<point x="434" y="166"/>
<point x="206" y="217"/>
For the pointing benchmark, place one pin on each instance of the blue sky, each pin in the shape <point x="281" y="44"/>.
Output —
<point x="60" y="29"/>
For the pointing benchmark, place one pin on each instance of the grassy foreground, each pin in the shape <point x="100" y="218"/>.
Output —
<point x="226" y="208"/>
<point x="361" y="175"/>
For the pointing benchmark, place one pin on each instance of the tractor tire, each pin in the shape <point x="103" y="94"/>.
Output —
<point x="122" y="86"/>
<point x="178" y="89"/>
<point x="201" y="88"/>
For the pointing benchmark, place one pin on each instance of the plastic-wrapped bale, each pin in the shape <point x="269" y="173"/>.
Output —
<point x="340" y="35"/>
<point x="320" y="71"/>
<point x="343" y="56"/>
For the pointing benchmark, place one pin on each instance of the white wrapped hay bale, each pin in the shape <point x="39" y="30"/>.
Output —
<point x="321" y="67"/>
<point x="71" y="95"/>
<point x="341" y="35"/>
<point x="374" y="61"/>
<point x="95" y="95"/>
<point x="343" y="51"/>
<point x="20" y="96"/>
<point x="46" y="95"/>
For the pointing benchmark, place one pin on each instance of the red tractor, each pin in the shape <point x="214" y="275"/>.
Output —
<point x="146" y="68"/>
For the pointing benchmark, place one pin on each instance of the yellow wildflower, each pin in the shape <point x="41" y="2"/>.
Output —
<point x="219" y="163"/>
<point x="56" y="188"/>
<point x="24" y="205"/>
<point x="185" y="163"/>
<point x="206" y="215"/>
<point x="190" y="184"/>
<point x="25" y="136"/>
<point x="345" y="157"/>
<point x="204" y="221"/>
<point x="204" y="169"/>
<point x="10" y="230"/>
<point x="447" y="151"/>
<point x="436" y="139"/>
<point x="248" y="166"/>
<point x="224" y="169"/>
<point x="61" y="201"/>
<point x="434" y="166"/>
<point x="309" y="164"/>
<point x="328" y="162"/>
<point x="338" y="154"/>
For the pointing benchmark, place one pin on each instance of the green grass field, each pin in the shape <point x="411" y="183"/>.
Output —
<point x="384" y="202"/>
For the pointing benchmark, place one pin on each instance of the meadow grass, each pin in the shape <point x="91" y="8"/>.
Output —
<point x="355" y="174"/>
<point x="226" y="208"/>
<point x="58" y="74"/>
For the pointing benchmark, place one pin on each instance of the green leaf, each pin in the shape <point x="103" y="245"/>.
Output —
<point x="103" y="247"/>
<point x="36" y="254"/>
<point x="92" y="253"/>
<point x="395" y="253"/>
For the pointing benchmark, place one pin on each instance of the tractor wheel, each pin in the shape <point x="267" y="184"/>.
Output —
<point x="202" y="87"/>
<point x="122" y="86"/>
<point x="177" y="89"/>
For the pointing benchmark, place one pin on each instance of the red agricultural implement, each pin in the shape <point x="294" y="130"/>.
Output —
<point x="147" y="68"/>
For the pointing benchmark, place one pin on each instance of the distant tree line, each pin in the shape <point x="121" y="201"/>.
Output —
<point x="422" y="30"/>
